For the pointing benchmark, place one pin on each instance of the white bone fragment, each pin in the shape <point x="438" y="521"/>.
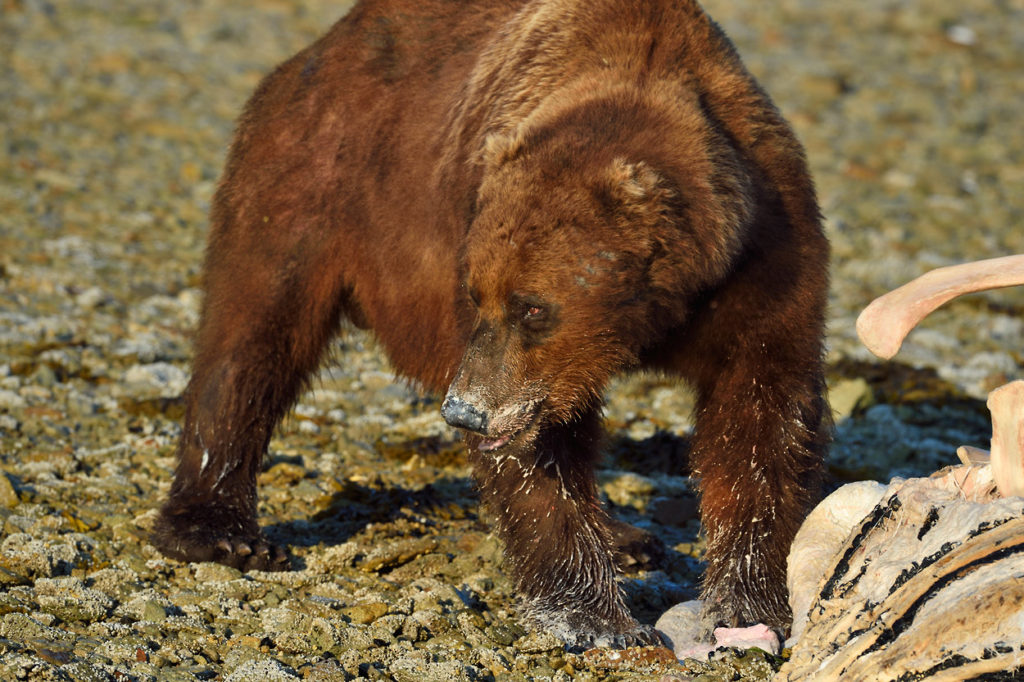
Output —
<point x="968" y="455"/>
<point x="884" y="324"/>
<point x="1006" y="404"/>
<point x="973" y="483"/>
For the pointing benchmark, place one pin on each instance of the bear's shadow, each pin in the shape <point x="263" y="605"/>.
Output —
<point x="663" y="452"/>
<point x="451" y="497"/>
<point x="356" y="506"/>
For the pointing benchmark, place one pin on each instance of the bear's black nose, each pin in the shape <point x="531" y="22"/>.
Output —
<point x="457" y="412"/>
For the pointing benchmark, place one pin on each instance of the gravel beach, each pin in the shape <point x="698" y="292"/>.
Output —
<point x="114" y="122"/>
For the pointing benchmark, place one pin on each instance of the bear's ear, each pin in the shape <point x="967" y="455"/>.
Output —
<point x="638" y="187"/>
<point x="634" y="181"/>
<point x="500" y="148"/>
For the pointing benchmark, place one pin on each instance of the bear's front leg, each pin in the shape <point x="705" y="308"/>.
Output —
<point x="210" y="514"/>
<point x="557" y="536"/>
<point x="762" y="427"/>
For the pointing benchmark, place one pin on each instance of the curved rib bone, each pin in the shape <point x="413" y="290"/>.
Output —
<point x="884" y="324"/>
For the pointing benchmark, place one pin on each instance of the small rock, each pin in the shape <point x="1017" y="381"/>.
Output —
<point x="626" y="488"/>
<point x="539" y="642"/>
<point x="21" y="627"/>
<point x="9" y="424"/>
<point x="681" y="626"/>
<point x="262" y="670"/>
<point x="295" y="632"/>
<point x="93" y="297"/>
<point x="282" y="474"/>
<point x="850" y="395"/>
<point x="629" y="659"/>
<point x="10" y="400"/>
<point x="44" y="376"/>
<point x="8" y="495"/>
<point x="397" y="553"/>
<point x="428" y="622"/>
<point x="418" y="667"/>
<point x="82" y="671"/>
<point x="962" y="35"/>
<point x="70" y="600"/>
<point x="210" y="572"/>
<point x="54" y="655"/>
<point x="141" y="606"/>
<point x="505" y="633"/>
<point x="152" y="611"/>
<point x="158" y="377"/>
<point x="364" y="614"/>
<point x="54" y="556"/>
<point x="114" y="581"/>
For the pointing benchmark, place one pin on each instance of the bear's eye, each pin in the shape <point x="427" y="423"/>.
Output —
<point x="533" y="313"/>
<point x="474" y="296"/>
<point x="534" y="317"/>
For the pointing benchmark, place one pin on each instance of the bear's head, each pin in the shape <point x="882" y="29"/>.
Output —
<point x="576" y="262"/>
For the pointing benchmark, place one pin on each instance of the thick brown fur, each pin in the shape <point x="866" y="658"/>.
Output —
<point x="522" y="199"/>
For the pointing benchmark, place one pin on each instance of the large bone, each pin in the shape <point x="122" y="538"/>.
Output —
<point x="884" y="324"/>
<point x="929" y="584"/>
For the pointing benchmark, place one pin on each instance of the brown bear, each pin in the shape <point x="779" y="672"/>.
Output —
<point x="521" y="199"/>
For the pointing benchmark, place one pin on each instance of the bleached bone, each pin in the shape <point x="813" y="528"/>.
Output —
<point x="968" y="454"/>
<point x="1006" y="404"/>
<point x="820" y="537"/>
<point x="884" y="324"/>
<point x="928" y="585"/>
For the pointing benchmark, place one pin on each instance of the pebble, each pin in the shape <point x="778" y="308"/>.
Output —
<point x="8" y="494"/>
<point x="364" y="614"/>
<point x="263" y="670"/>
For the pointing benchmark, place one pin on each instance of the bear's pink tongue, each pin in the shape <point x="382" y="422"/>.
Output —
<point x="488" y="445"/>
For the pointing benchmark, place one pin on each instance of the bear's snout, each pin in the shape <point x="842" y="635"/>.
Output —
<point x="461" y="414"/>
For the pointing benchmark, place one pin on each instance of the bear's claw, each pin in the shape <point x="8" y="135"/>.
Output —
<point x="196" y="535"/>
<point x="641" y="635"/>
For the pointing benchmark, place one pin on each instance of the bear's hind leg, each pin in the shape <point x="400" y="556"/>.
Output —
<point x="558" y="538"/>
<point x="266" y="321"/>
<point x="635" y="548"/>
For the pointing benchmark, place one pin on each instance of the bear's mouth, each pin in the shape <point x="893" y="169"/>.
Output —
<point x="517" y="422"/>
<point x="495" y="443"/>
